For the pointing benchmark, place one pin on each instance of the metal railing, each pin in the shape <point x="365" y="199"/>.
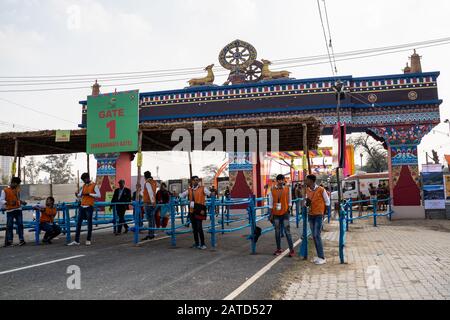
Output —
<point x="346" y="217"/>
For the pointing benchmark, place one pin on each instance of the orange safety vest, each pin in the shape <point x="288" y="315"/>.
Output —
<point x="317" y="201"/>
<point x="199" y="196"/>
<point x="12" y="198"/>
<point x="280" y="196"/>
<point x="88" y="200"/>
<point x="48" y="215"/>
<point x="147" y="195"/>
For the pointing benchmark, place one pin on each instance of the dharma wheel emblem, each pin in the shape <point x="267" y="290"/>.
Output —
<point x="237" y="55"/>
<point x="412" y="95"/>
<point x="372" y="98"/>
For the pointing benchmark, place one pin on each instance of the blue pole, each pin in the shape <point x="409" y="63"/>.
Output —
<point x="347" y="210"/>
<point x="114" y="219"/>
<point x="67" y="220"/>
<point x="304" y="244"/>
<point x="351" y="211"/>
<point x="137" y="220"/>
<point x="222" y="209"/>
<point x="297" y="212"/>
<point x="341" y="234"/>
<point x="390" y="209"/>
<point x="375" y="213"/>
<point x="173" y="238"/>
<point x="228" y="213"/>
<point x="37" y="231"/>
<point x="252" y="217"/>
<point x="212" y="213"/>
<point x="181" y="211"/>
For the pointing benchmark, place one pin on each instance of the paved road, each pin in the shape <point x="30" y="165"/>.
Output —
<point x="113" y="268"/>
<point x="404" y="259"/>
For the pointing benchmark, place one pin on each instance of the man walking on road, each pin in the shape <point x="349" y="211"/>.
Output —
<point x="280" y="203"/>
<point x="317" y="200"/>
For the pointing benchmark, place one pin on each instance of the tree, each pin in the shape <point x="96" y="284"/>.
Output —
<point x="210" y="170"/>
<point x="58" y="167"/>
<point x="374" y="151"/>
<point x="32" y="170"/>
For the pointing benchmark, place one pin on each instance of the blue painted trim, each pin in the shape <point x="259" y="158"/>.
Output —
<point x="302" y="108"/>
<point x="280" y="82"/>
<point x="397" y="76"/>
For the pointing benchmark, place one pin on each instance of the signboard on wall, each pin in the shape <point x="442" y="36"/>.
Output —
<point x="62" y="136"/>
<point x="433" y="186"/>
<point x="447" y="187"/>
<point x="113" y="122"/>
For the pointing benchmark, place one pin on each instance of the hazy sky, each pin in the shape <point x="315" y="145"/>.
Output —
<point x="42" y="37"/>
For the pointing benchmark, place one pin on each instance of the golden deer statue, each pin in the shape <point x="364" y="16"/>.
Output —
<point x="266" y="74"/>
<point x="208" y="80"/>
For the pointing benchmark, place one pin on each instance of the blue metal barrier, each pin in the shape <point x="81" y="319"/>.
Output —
<point x="346" y="218"/>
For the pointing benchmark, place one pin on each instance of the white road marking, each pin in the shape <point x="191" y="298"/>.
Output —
<point x="41" y="264"/>
<point x="151" y="240"/>
<point x="258" y="275"/>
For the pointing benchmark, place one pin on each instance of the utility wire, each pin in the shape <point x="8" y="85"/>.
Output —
<point x="329" y="36"/>
<point x="185" y="79"/>
<point x="325" y="37"/>
<point x="179" y="71"/>
<point x="37" y="111"/>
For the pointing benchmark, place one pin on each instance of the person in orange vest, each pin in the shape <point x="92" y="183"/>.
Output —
<point x="317" y="200"/>
<point x="280" y="202"/>
<point x="88" y="193"/>
<point x="149" y="199"/>
<point x="46" y="222"/>
<point x="197" y="210"/>
<point x="10" y="201"/>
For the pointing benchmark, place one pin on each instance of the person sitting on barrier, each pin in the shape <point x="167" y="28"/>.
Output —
<point x="163" y="211"/>
<point x="46" y="222"/>
<point x="149" y="198"/>
<point x="121" y="194"/>
<point x="280" y="202"/>
<point x="317" y="200"/>
<point x="10" y="200"/>
<point x="197" y="210"/>
<point x="88" y="193"/>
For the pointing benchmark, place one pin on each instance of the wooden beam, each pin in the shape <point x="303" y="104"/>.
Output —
<point x="163" y="145"/>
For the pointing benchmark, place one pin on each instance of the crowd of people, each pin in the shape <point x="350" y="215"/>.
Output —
<point x="154" y="198"/>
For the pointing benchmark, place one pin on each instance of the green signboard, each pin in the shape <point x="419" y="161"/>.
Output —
<point x="113" y="122"/>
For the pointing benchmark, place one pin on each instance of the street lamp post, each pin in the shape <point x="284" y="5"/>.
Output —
<point x="361" y="156"/>
<point x="338" y="89"/>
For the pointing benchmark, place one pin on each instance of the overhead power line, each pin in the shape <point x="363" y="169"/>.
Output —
<point x="325" y="38"/>
<point x="37" y="111"/>
<point x="329" y="36"/>
<point x="200" y="69"/>
<point x="292" y="63"/>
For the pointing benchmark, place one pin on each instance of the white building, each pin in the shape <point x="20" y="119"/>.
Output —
<point x="5" y="167"/>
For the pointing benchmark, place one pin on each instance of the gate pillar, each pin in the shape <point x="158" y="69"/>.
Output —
<point x="404" y="178"/>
